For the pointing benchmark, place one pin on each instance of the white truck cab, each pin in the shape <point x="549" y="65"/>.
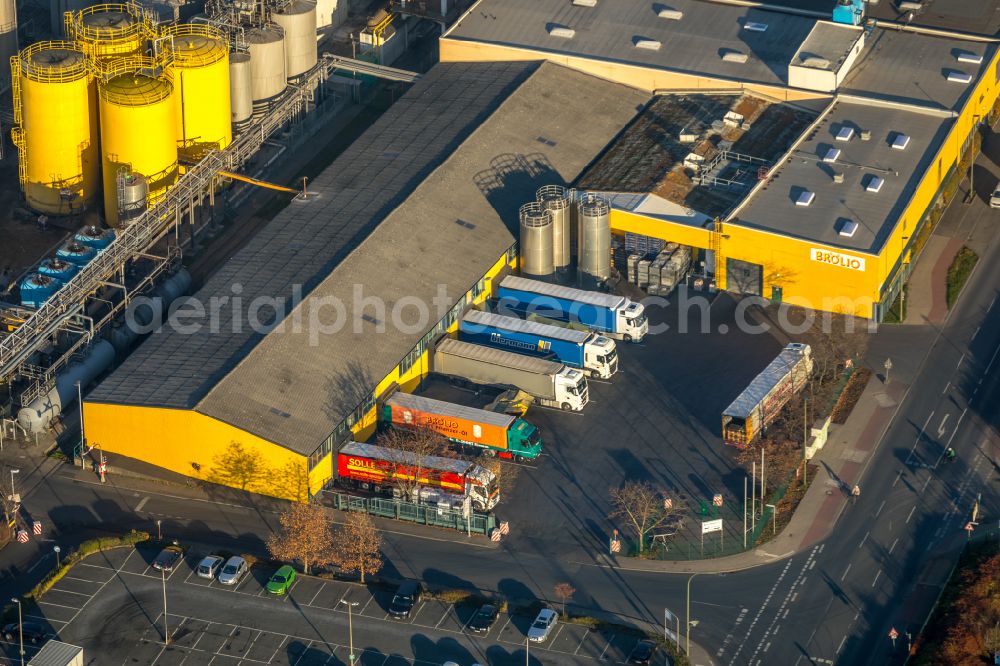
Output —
<point x="571" y="389"/>
<point x="600" y="356"/>
<point x="632" y="322"/>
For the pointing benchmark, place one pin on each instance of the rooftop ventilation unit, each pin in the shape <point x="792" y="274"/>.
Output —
<point x="847" y="228"/>
<point x="838" y="177"/>
<point x="910" y="6"/>
<point x="562" y="31"/>
<point x="755" y="27"/>
<point x="648" y="44"/>
<point x="831" y="154"/>
<point x="816" y="62"/>
<point x="735" y="56"/>
<point x="968" y="56"/>
<point x="670" y="14"/>
<point x="845" y="133"/>
<point x="874" y="183"/>
<point x="866" y="135"/>
<point x="805" y="198"/>
<point x="585" y="3"/>
<point x="956" y="76"/>
<point x="900" y="141"/>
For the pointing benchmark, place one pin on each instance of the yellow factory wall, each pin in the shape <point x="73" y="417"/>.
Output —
<point x="643" y="78"/>
<point x="199" y="447"/>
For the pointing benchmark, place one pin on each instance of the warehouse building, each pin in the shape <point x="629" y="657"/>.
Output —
<point x="418" y="212"/>
<point x="831" y="222"/>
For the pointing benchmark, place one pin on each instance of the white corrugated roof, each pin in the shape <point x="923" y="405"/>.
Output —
<point x="557" y="291"/>
<point x="766" y="380"/>
<point x="497" y="357"/>
<point x="514" y="324"/>
<point x="56" y="653"/>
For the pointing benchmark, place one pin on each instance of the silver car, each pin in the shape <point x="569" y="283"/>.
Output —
<point x="236" y="567"/>
<point x="995" y="198"/>
<point x="543" y="625"/>
<point x="209" y="566"/>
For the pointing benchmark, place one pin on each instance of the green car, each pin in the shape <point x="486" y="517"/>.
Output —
<point x="281" y="581"/>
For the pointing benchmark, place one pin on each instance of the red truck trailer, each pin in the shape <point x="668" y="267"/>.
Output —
<point x="372" y="468"/>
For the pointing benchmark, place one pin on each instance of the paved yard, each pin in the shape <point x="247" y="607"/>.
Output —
<point x="112" y="605"/>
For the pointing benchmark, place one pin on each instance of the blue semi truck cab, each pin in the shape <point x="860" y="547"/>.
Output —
<point x="592" y="352"/>
<point x="616" y="316"/>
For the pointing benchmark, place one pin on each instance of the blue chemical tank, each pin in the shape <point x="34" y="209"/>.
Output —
<point x="95" y="237"/>
<point x="37" y="288"/>
<point x="76" y="253"/>
<point x="58" y="269"/>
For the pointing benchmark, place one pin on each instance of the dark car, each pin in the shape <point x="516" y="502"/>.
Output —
<point x="168" y="558"/>
<point x="484" y="618"/>
<point x="405" y="599"/>
<point x="32" y="633"/>
<point x="643" y="653"/>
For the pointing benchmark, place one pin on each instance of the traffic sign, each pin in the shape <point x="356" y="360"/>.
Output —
<point x="504" y="527"/>
<point x="717" y="500"/>
<point x="893" y="634"/>
<point x="616" y="546"/>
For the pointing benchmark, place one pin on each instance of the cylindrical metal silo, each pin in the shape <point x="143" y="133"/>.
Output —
<point x="241" y="99"/>
<point x="133" y="195"/>
<point x="594" y="236"/>
<point x="109" y="30"/>
<point x="267" y="64"/>
<point x="200" y="74"/>
<point x="555" y="200"/>
<point x="55" y="106"/>
<point x="298" y="20"/>
<point x="536" y="240"/>
<point x="138" y="134"/>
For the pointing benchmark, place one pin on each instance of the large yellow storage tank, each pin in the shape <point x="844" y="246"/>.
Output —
<point x="200" y="74"/>
<point x="109" y="31"/>
<point x="138" y="131"/>
<point x="56" y="108"/>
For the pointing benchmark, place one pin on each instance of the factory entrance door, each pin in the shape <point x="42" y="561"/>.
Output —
<point x="743" y="277"/>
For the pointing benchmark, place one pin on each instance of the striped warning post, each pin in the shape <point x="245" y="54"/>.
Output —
<point x="37" y="527"/>
<point x="504" y="527"/>
<point x="22" y="536"/>
<point x="496" y="535"/>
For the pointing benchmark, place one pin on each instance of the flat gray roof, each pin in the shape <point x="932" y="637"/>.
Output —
<point x="513" y="324"/>
<point x="831" y="42"/>
<point x="55" y="653"/>
<point x="774" y="206"/>
<point x="770" y="377"/>
<point x="432" y="406"/>
<point x="896" y="65"/>
<point x="427" y="197"/>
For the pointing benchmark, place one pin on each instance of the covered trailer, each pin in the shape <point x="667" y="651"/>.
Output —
<point x="760" y="402"/>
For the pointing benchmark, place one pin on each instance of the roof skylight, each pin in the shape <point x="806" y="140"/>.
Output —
<point x="847" y="228"/>
<point x="874" y="183"/>
<point x="900" y="141"/>
<point x="805" y="198"/>
<point x="831" y="154"/>
<point x="845" y="133"/>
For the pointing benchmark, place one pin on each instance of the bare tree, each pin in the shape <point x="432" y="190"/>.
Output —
<point x="238" y="467"/>
<point x="305" y="536"/>
<point x="643" y="507"/>
<point x="359" y="545"/>
<point x="410" y="464"/>
<point x="505" y="473"/>
<point x="564" y="591"/>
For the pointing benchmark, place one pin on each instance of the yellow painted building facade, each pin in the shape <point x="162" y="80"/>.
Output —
<point x="199" y="446"/>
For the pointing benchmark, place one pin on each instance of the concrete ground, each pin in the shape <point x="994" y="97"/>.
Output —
<point x="112" y="606"/>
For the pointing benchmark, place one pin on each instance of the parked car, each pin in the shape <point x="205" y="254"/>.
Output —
<point x="209" y="567"/>
<point x="643" y="652"/>
<point x="282" y="580"/>
<point x="484" y="618"/>
<point x="31" y="632"/>
<point x="168" y="558"/>
<point x="234" y="570"/>
<point x="543" y="625"/>
<point x="406" y="597"/>
<point x="995" y="198"/>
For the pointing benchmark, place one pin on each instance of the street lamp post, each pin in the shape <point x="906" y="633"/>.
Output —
<point x="526" y="653"/>
<point x="159" y="532"/>
<point x="687" y="624"/>
<point x="20" y="627"/>
<point x="972" y="162"/>
<point x="166" y="634"/>
<point x="350" y="629"/>
<point x="12" y="473"/>
<point x="79" y="404"/>
<point x="888" y="366"/>
<point x="57" y="550"/>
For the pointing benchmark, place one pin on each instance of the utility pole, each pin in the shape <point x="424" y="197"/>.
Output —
<point x="166" y="634"/>
<point x="744" y="513"/>
<point x="20" y="627"/>
<point x="350" y="629"/>
<point x="687" y="630"/>
<point x="753" y="497"/>
<point x="805" y="438"/>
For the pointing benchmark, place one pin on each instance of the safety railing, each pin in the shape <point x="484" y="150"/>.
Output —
<point x="421" y="514"/>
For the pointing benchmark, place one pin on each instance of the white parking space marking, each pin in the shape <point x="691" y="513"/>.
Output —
<point x="322" y="587"/>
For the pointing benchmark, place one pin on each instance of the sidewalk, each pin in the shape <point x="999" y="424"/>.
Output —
<point x="926" y="301"/>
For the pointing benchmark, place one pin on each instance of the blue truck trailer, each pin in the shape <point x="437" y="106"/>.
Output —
<point x="592" y="352"/>
<point x="616" y="316"/>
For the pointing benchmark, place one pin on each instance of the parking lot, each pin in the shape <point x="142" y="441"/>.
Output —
<point x="112" y="605"/>
<point x="657" y="420"/>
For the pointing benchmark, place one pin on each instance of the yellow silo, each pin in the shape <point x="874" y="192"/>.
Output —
<point x="138" y="129"/>
<point x="110" y="31"/>
<point x="55" y="108"/>
<point x="200" y="74"/>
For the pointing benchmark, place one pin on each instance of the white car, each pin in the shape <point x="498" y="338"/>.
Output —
<point x="233" y="572"/>
<point x="995" y="198"/>
<point x="543" y="625"/>
<point x="209" y="567"/>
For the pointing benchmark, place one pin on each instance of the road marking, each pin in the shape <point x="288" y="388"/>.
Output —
<point x="446" y="613"/>
<point x="609" y="645"/>
<point x="893" y="546"/>
<point x="910" y="515"/>
<point x="845" y="572"/>
<point x="880" y="507"/>
<point x="142" y="503"/>
<point x="959" y="364"/>
<point x="941" y="428"/>
<point x="82" y="594"/>
<point x="927" y="481"/>
<point x="839" y="647"/>
<point x="865" y="538"/>
<point x="49" y="603"/>
<point x="877" y="574"/>
<point x="321" y="588"/>
<point x="946" y="387"/>
<point x="898" y="477"/>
